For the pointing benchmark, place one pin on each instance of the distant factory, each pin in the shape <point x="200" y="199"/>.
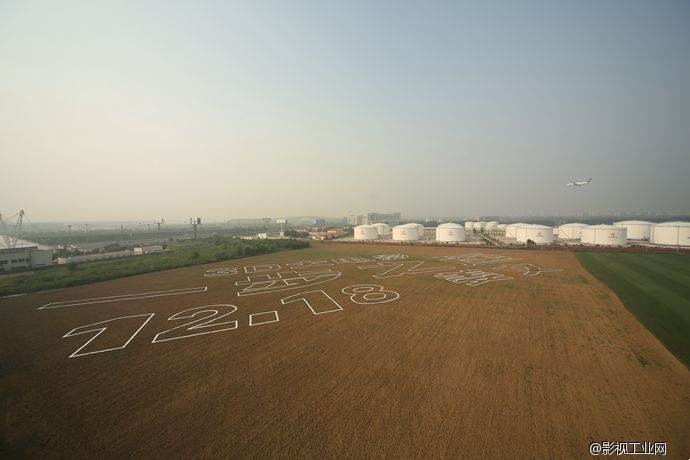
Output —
<point x="24" y="256"/>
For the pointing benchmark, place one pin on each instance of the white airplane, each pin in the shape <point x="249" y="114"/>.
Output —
<point x="580" y="183"/>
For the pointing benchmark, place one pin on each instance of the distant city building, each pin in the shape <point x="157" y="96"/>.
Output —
<point x="355" y="220"/>
<point x="377" y="218"/>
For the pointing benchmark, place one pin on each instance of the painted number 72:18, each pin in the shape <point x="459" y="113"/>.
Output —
<point x="209" y="319"/>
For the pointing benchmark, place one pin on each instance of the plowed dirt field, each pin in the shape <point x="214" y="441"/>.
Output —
<point x="359" y="351"/>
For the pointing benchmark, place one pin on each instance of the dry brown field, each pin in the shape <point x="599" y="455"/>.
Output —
<point x="501" y="354"/>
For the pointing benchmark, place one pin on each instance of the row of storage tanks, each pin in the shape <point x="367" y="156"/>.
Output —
<point x="410" y="232"/>
<point x="667" y="233"/>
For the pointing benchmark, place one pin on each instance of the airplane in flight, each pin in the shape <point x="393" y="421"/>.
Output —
<point x="579" y="183"/>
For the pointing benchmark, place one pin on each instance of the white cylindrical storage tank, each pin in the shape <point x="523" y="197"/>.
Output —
<point x="420" y="230"/>
<point x="608" y="235"/>
<point x="511" y="230"/>
<point x="469" y="226"/>
<point x="637" y="229"/>
<point x="366" y="232"/>
<point x="478" y="226"/>
<point x="450" y="232"/>
<point x="570" y="231"/>
<point x="383" y="229"/>
<point x="501" y="227"/>
<point x="672" y="233"/>
<point x="540" y="234"/>
<point x="490" y="225"/>
<point x="407" y="232"/>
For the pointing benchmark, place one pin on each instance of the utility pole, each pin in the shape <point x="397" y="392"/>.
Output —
<point x="194" y="223"/>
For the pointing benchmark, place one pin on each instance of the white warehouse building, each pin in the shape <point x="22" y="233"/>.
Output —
<point x="450" y="233"/>
<point x="637" y="229"/>
<point x="366" y="232"/>
<point x="24" y="257"/>
<point x="606" y="235"/>
<point x="572" y="231"/>
<point x="406" y="232"/>
<point x="540" y="234"/>
<point x="671" y="233"/>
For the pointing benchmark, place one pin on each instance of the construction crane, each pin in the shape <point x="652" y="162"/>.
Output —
<point x="9" y="238"/>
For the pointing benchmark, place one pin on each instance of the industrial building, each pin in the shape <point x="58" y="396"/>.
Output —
<point x="450" y="233"/>
<point x="469" y="226"/>
<point x="637" y="229"/>
<point x="671" y="233"/>
<point x="604" y="235"/>
<point x="24" y="258"/>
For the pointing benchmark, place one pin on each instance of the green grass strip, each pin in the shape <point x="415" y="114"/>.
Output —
<point x="653" y="287"/>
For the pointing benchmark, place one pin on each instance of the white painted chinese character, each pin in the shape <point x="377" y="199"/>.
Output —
<point x="660" y="448"/>
<point x="623" y="448"/>
<point x="606" y="447"/>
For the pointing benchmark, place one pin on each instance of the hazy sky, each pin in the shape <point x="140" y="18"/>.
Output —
<point x="148" y="109"/>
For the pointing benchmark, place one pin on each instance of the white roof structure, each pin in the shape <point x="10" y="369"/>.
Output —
<point x="22" y="244"/>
